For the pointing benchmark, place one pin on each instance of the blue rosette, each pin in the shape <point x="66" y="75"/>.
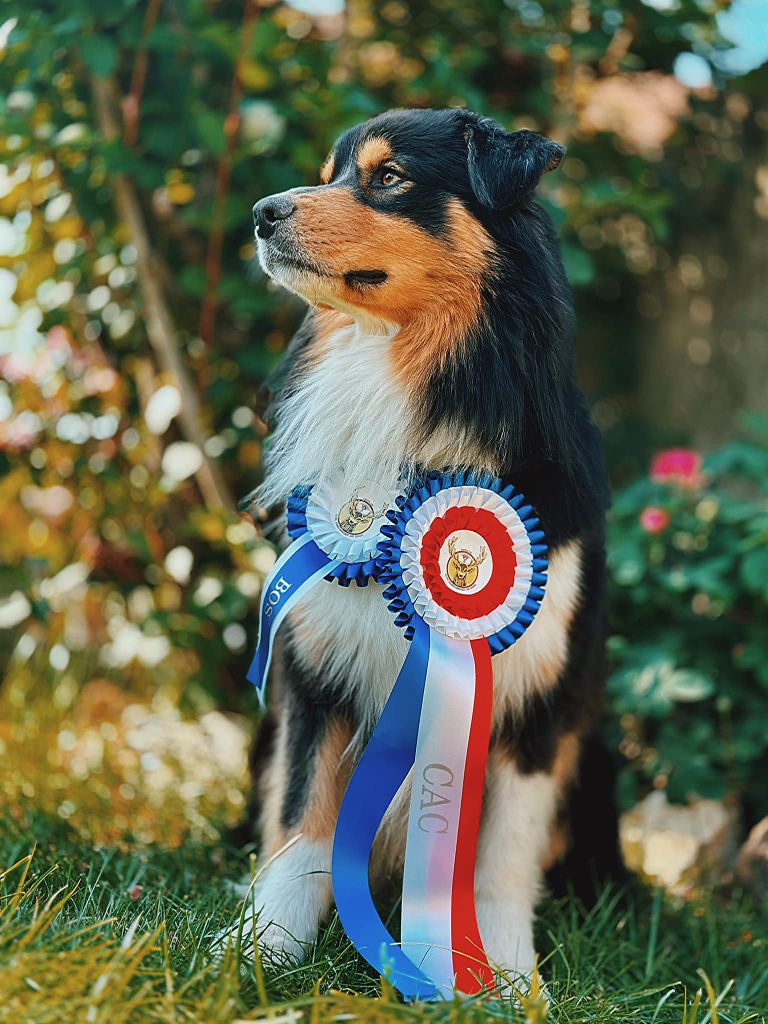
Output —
<point x="335" y="530"/>
<point x="345" y="525"/>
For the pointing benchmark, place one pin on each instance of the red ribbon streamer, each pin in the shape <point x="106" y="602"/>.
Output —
<point x="473" y="973"/>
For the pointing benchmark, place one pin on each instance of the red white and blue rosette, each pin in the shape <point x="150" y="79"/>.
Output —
<point x="335" y="530"/>
<point x="465" y="564"/>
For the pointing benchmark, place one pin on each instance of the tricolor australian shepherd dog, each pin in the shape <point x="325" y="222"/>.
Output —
<point x="439" y="335"/>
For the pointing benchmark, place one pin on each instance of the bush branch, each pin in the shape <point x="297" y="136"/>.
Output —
<point x="159" y="325"/>
<point x="223" y="178"/>
<point x="132" y="102"/>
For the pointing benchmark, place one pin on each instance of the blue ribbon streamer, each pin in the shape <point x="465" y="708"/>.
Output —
<point x="386" y="761"/>
<point x="301" y="566"/>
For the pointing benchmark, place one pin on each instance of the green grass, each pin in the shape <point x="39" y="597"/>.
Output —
<point x="79" y="942"/>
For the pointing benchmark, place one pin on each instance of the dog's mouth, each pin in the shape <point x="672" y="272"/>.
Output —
<point x="365" y="277"/>
<point x="352" y="278"/>
<point x="295" y="262"/>
<point x="274" y="258"/>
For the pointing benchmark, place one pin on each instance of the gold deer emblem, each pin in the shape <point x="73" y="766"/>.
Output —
<point x="463" y="567"/>
<point x="357" y="516"/>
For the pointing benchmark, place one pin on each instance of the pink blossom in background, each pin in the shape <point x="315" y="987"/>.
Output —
<point x="642" y="108"/>
<point x="57" y="340"/>
<point x="15" y="367"/>
<point x="19" y="433"/>
<point x="50" y="502"/>
<point x="40" y="364"/>
<point x="98" y="379"/>
<point x="677" y="466"/>
<point x="654" y="519"/>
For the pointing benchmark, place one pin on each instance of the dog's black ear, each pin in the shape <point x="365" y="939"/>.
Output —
<point x="504" y="167"/>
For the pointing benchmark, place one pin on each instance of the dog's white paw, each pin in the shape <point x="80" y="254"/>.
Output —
<point x="277" y="946"/>
<point x="522" y="984"/>
<point x="285" y="906"/>
<point x="507" y="933"/>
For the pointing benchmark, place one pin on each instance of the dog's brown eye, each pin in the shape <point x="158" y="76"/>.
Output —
<point x="389" y="177"/>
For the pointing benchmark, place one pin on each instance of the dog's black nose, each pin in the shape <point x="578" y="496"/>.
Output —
<point x="267" y="212"/>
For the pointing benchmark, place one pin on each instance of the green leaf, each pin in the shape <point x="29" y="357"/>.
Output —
<point x="754" y="654"/>
<point x="628" y="562"/>
<point x="210" y="130"/>
<point x="192" y="280"/>
<point x="578" y="265"/>
<point x="138" y="544"/>
<point x="739" y="457"/>
<point x="99" y="55"/>
<point x="73" y="23"/>
<point x="715" y="577"/>
<point x="754" y="571"/>
<point x="686" y="686"/>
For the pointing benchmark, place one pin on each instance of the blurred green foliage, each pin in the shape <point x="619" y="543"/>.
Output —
<point x="115" y="559"/>
<point x="688" y="555"/>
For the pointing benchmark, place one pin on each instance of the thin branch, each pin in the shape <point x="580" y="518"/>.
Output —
<point x="223" y="177"/>
<point x="132" y="102"/>
<point x="160" y="327"/>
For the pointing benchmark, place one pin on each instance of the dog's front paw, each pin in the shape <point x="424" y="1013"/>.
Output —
<point x="285" y="906"/>
<point x="278" y="947"/>
<point x="508" y="940"/>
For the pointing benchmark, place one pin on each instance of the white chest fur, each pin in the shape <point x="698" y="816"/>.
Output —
<point x="348" y="634"/>
<point x="350" y="413"/>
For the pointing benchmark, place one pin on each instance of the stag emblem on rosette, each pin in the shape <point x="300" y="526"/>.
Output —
<point x="357" y="516"/>
<point x="463" y="566"/>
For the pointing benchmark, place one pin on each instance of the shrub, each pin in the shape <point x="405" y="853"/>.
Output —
<point x="688" y="561"/>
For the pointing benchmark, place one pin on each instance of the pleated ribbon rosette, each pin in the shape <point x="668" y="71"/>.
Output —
<point x="335" y="531"/>
<point x="465" y="564"/>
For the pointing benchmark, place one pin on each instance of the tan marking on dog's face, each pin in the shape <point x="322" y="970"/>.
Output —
<point x="329" y="165"/>
<point x="432" y="290"/>
<point x="371" y="155"/>
<point x="455" y="301"/>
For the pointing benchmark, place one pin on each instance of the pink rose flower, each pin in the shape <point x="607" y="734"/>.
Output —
<point x="654" y="519"/>
<point x="677" y="466"/>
